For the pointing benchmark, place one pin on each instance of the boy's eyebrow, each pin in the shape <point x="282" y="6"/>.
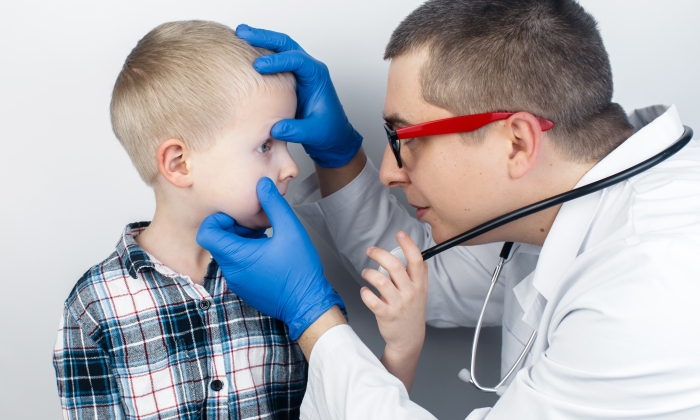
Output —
<point x="394" y="120"/>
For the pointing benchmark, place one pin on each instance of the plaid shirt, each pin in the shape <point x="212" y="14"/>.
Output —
<point x="140" y="341"/>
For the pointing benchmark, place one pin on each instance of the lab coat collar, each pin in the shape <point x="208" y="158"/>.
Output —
<point x="656" y="127"/>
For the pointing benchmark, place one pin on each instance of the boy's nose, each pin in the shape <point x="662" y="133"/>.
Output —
<point x="288" y="168"/>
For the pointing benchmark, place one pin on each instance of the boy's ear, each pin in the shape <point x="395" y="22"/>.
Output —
<point x="172" y="162"/>
<point x="525" y="135"/>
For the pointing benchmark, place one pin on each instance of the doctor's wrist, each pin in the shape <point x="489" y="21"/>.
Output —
<point x="331" y="318"/>
<point x="402" y="364"/>
<point x="404" y="353"/>
<point x="331" y="180"/>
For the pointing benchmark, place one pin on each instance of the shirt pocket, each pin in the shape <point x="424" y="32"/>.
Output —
<point x="161" y="362"/>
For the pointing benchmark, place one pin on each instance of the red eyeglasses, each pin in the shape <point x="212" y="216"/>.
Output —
<point x="461" y="124"/>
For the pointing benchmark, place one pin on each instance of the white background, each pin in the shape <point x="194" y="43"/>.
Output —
<point x="69" y="189"/>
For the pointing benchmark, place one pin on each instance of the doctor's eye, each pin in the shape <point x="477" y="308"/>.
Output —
<point x="265" y="147"/>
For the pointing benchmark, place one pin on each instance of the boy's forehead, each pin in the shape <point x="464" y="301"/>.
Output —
<point x="262" y="108"/>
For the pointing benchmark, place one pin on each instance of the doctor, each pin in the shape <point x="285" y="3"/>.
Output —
<point x="607" y="281"/>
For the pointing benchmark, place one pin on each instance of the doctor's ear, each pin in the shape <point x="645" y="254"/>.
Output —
<point x="172" y="157"/>
<point x="525" y="141"/>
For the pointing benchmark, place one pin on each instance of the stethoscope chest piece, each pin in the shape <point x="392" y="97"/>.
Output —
<point x="398" y="253"/>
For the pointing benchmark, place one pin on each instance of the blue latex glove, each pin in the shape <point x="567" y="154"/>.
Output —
<point x="279" y="276"/>
<point x="321" y="125"/>
<point x="245" y="232"/>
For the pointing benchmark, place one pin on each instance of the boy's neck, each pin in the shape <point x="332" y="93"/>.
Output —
<point x="171" y="238"/>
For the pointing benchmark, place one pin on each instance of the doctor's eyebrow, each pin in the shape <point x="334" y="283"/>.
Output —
<point x="394" y="121"/>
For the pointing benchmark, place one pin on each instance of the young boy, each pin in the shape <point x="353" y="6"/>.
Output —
<point x="152" y="332"/>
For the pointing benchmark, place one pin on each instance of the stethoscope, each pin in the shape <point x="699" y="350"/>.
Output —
<point x="464" y="374"/>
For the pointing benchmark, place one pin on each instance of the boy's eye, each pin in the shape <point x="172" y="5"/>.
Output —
<point x="265" y="147"/>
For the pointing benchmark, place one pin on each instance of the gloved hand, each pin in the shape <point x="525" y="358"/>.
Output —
<point x="321" y="125"/>
<point x="245" y="232"/>
<point x="279" y="276"/>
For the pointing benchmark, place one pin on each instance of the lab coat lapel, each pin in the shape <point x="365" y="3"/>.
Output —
<point x="564" y="241"/>
<point x="559" y="251"/>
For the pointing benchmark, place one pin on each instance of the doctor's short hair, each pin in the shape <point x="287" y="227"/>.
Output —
<point x="183" y="80"/>
<point x="545" y="57"/>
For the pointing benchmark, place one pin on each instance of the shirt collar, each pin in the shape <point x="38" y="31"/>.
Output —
<point x="133" y="256"/>
<point x="657" y="127"/>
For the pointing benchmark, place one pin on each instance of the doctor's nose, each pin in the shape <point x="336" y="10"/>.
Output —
<point x="390" y="174"/>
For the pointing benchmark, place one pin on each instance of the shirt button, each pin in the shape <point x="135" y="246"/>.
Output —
<point x="217" y="385"/>
<point x="204" y="304"/>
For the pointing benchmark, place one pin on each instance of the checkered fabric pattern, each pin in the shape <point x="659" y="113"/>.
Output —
<point x="140" y="341"/>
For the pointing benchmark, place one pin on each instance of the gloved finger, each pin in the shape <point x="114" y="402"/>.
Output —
<point x="372" y="302"/>
<point x="391" y="264"/>
<point x="389" y="293"/>
<point x="214" y="235"/>
<point x="297" y="131"/>
<point x="247" y="232"/>
<point x="275" y="206"/>
<point x="274" y="41"/>
<point x="416" y="267"/>
<point x="305" y="68"/>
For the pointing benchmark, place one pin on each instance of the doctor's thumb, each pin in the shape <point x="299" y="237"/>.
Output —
<point x="275" y="206"/>
<point x="212" y="232"/>
<point x="295" y="131"/>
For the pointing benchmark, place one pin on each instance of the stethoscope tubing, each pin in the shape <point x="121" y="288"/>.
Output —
<point x="579" y="192"/>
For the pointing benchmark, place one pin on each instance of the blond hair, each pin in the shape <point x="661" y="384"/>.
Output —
<point x="183" y="80"/>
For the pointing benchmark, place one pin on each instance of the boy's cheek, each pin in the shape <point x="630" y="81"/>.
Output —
<point x="247" y="211"/>
<point x="235" y="193"/>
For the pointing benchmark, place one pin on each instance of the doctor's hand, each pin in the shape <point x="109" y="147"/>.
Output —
<point x="280" y="276"/>
<point x="321" y="125"/>
<point x="400" y="310"/>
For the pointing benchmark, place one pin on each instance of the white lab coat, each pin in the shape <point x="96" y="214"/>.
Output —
<point x="614" y="294"/>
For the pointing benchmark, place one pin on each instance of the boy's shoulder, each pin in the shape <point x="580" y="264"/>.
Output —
<point x="95" y="291"/>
